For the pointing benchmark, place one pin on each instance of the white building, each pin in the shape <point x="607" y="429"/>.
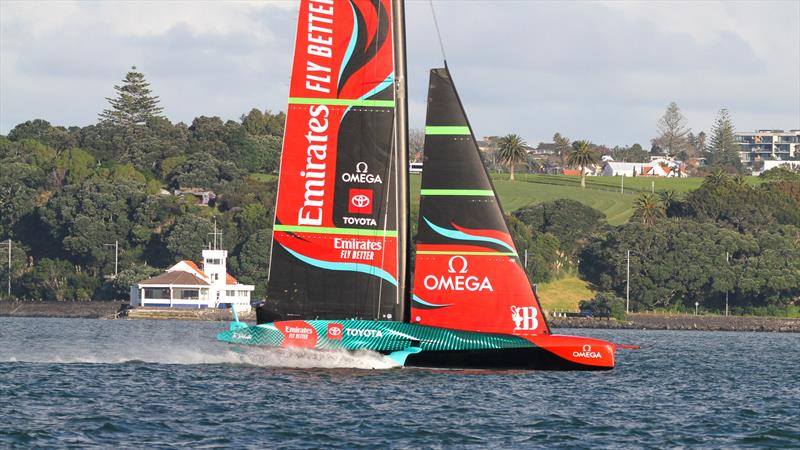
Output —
<point x="187" y="285"/>
<point x="658" y="167"/>
<point x="771" y="164"/>
<point x="768" y="145"/>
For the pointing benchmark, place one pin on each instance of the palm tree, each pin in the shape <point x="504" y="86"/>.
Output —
<point x="582" y="155"/>
<point x="717" y="177"/>
<point x="563" y="147"/>
<point x="649" y="208"/>
<point x="511" y="151"/>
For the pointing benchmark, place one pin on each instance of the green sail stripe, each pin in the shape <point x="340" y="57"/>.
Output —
<point x="437" y="130"/>
<point x="474" y="192"/>
<point x="330" y="230"/>
<point x="442" y="252"/>
<point x="341" y="102"/>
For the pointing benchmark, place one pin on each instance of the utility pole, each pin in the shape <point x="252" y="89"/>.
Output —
<point x="9" y="267"/>
<point x="628" y="286"/>
<point x="727" y="255"/>
<point x="622" y="184"/>
<point x="653" y="186"/>
<point x="116" y="256"/>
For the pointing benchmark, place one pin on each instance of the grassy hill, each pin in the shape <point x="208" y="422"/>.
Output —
<point x="533" y="189"/>
<point x="564" y="294"/>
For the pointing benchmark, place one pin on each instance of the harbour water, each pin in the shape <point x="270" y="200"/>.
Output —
<point x="159" y="384"/>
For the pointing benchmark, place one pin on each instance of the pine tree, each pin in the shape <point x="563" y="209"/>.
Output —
<point x="723" y="150"/>
<point x="134" y="103"/>
<point x="672" y="127"/>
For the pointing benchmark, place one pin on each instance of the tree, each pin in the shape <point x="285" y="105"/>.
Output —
<point x="673" y="131"/>
<point x="568" y="220"/>
<point x="723" y="150"/>
<point x="188" y="237"/>
<point x="697" y="143"/>
<point x="563" y="148"/>
<point x="252" y="264"/>
<point x="264" y="124"/>
<point x="416" y="144"/>
<point x="583" y="156"/>
<point x="649" y="208"/>
<point x="134" y="103"/>
<point x="511" y="151"/>
<point x="634" y="153"/>
<point x="74" y="165"/>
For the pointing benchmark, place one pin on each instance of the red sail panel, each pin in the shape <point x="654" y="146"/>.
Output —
<point x="334" y="249"/>
<point x="468" y="274"/>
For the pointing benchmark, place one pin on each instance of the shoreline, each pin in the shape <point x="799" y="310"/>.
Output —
<point x="638" y="321"/>
<point x="682" y="322"/>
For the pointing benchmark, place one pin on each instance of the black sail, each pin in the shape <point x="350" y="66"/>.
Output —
<point x="467" y="272"/>
<point x="335" y="238"/>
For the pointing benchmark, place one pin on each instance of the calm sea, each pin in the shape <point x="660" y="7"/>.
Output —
<point x="155" y="384"/>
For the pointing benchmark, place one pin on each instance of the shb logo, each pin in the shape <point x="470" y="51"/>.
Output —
<point x="360" y="201"/>
<point x="457" y="265"/>
<point x="524" y="318"/>
<point x="586" y="352"/>
<point x="335" y="331"/>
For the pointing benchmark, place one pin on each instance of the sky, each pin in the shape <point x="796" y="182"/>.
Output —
<point x="603" y="71"/>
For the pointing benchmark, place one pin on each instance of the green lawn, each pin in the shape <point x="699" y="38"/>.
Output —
<point x="564" y="294"/>
<point x="516" y="194"/>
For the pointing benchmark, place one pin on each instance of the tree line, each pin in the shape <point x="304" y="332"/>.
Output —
<point x="67" y="194"/>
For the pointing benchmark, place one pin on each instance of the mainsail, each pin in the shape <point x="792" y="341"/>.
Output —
<point x="335" y="247"/>
<point x="467" y="272"/>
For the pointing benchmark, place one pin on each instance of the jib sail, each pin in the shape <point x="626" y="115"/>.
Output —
<point x="334" y="250"/>
<point x="467" y="274"/>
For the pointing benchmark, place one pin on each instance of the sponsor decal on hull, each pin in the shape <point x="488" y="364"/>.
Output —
<point x="524" y="318"/>
<point x="335" y="331"/>
<point x="586" y="352"/>
<point x="298" y="333"/>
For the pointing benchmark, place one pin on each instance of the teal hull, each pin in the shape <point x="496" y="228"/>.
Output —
<point x="419" y="345"/>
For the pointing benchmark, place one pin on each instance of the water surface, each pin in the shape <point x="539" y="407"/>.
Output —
<point x="157" y="384"/>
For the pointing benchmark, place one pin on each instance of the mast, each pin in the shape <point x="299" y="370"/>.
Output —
<point x="401" y="166"/>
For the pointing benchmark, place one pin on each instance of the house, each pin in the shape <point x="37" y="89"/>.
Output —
<point x="188" y="285"/>
<point x="771" y="164"/>
<point x="202" y="197"/>
<point x="658" y="167"/>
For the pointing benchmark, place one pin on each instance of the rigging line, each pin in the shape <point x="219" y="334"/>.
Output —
<point x="438" y="32"/>
<point x="386" y="224"/>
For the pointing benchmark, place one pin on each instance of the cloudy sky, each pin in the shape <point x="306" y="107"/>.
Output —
<point x="603" y="71"/>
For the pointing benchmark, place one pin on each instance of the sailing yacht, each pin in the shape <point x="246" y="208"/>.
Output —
<point x="340" y="269"/>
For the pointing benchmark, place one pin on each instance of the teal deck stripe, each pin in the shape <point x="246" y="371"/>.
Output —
<point x="439" y="130"/>
<point x="341" y="102"/>
<point x="464" y="192"/>
<point x="329" y="230"/>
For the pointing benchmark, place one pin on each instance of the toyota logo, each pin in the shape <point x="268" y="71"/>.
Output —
<point x="335" y="331"/>
<point x="360" y="201"/>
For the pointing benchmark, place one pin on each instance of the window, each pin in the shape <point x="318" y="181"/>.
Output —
<point x="242" y="293"/>
<point x="216" y="261"/>
<point x="230" y="293"/>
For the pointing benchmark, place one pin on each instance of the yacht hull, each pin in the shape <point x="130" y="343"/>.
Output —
<point x="423" y="346"/>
